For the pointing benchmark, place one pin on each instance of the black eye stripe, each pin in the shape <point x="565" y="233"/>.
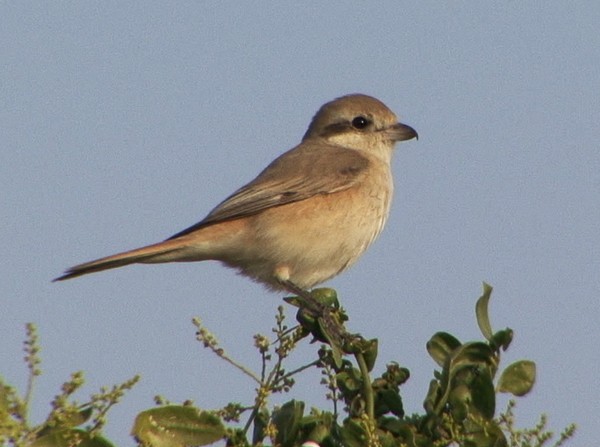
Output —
<point x="360" y="122"/>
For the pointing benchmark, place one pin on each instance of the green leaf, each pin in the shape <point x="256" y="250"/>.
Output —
<point x="71" y="420"/>
<point x="353" y="433"/>
<point x="294" y="301"/>
<point x="433" y="395"/>
<point x="77" y="419"/>
<point x="9" y="416"/>
<point x="395" y="375"/>
<point x="330" y="337"/>
<point x="318" y="427"/>
<point x="5" y="392"/>
<point x="389" y="401"/>
<point x="287" y="421"/>
<point x="483" y="395"/>
<point x="82" y="417"/>
<point x="441" y="345"/>
<point x="481" y="310"/>
<point x="323" y="295"/>
<point x="472" y="391"/>
<point x="459" y="399"/>
<point x="70" y="437"/>
<point x="177" y="426"/>
<point x="405" y="432"/>
<point x="387" y="440"/>
<point x="518" y="378"/>
<point x="473" y="354"/>
<point x="370" y="353"/>
<point x="326" y="296"/>
<point x="96" y="441"/>
<point x="483" y="433"/>
<point x="502" y="339"/>
<point x="349" y="382"/>
<point x="260" y="424"/>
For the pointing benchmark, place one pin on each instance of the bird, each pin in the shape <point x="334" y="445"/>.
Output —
<point x="308" y="216"/>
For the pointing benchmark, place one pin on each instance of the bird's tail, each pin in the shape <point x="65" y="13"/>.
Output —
<point x="166" y="251"/>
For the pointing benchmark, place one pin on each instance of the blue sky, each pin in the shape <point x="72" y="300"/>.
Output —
<point x="123" y="124"/>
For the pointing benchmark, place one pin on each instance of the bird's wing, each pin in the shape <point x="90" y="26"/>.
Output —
<point x="305" y="171"/>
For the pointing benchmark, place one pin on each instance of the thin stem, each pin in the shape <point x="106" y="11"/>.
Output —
<point x="263" y="369"/>
<point x="242" y="368"/>
<point x="367" y="389"/>
<point x="28" y="394"/>
<point x="255" y="411"/>
<point x="285" y="333"/>
<point x="300" y="369"/>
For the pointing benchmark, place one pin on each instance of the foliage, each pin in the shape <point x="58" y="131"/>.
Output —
<point x="459" y="407"/>
<point x="66" y="423"/>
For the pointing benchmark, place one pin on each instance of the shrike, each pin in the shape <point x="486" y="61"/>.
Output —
<point x="307" y="216"/>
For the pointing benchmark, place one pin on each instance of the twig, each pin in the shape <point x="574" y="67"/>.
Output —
<point x="367" y="389"/>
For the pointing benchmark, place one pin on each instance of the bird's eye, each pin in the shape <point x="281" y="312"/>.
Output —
<point x="360" y="122"/>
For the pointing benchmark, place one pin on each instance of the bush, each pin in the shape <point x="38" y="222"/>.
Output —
<point x="459" y="407"/>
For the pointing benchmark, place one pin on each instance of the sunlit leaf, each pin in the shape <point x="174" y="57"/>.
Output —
<point x="5" y="392"/>
<point x="77" y="419"/>
<point x="70" y="437"/>
<point x="518" y="378"/>
<point x="459" y="399"/>
<point x="370" y="353"/>
<point x="481" y="310"/>
<point x="177" y="426"/>
<point x="326" y="296"/>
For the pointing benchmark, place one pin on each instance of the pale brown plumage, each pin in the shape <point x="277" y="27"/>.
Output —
<point x="307" y="216"/>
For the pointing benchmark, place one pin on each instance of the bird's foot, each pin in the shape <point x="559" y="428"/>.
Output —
<point x="320" y="314"/>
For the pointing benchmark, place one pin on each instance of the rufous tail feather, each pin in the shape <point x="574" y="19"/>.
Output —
<point x="139" y="255"/>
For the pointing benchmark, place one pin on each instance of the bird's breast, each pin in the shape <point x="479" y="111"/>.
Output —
<point x="317" y="238"/>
